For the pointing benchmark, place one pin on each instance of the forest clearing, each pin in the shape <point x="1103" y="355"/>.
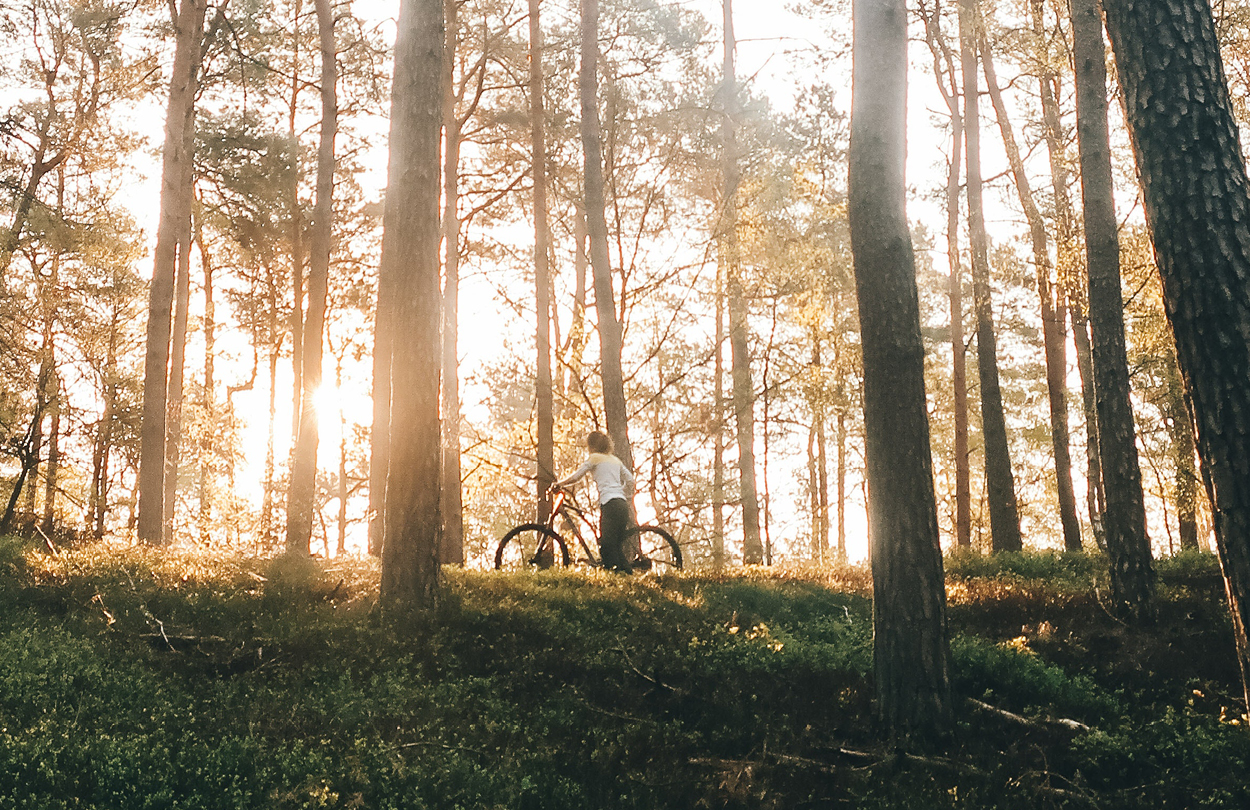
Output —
<point x="134" y="679"/>
<point x="853" y="396"/>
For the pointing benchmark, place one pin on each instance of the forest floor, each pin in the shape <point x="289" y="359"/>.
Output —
<point x="136" y="679"/>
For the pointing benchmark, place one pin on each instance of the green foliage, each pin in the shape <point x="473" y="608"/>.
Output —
<point x="1056" y="567"/>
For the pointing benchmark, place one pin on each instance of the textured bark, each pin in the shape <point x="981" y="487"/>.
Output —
<point x="610" y="339"/>
<point x="740" y="354"/>
<point x="1054" y="337"/>
<point x="177" y="374"/>
<point x="302" y="495"/>
<point x="410" y="261"/>
<point x="175" y="209"/>
<point x="544" y="394"/>
<point x="1197" y="202"/>
<point x="999" y="480"/>
<point x="910" y="647"/>
<point x="1128" y="547"/>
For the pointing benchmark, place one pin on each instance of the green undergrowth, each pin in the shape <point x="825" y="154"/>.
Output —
<point x="138" y="679"/>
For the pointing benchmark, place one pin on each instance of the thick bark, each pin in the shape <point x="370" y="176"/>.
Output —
<point x="410" y="261"/>
<point x="1054" y="333"/>
<point x="999" y="480"/>
<point x="543" y="394"/>
<point x="610" y="338"/>
<point x="175" y="210"/>
<point x="910" y="647"/>
<point x="740" y="353"/>
<point x="301" y="497"/>
<point x="1197" y="202"/>
<point x="1132" y="572"/>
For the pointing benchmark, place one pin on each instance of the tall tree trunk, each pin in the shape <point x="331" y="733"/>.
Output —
<point x="1181" y="431"/>
<point x="380" y="433"/>
<point x="52" y="470"/>
<point x="544" y="399"/>
<point x="610" y="338"/>
<point x="410" y="268"/>
<point x="910" y="646"/>
<point x="207" y="436"/>
<point x="175" y="210"/>
<point x="344" y="490"/>
<point x="1197" y="202"/>
<point x="302" y="495"/>
<point x="999" y="480"/>
<point x="295" y="226"/>
<point x="1072" y="288"/>
<point x="177" y="370"/>
<point x="718" y="429"/>
<point x="841" y="484"/>
<point x="575" y="346"/>
<point x="267" y="497"/>
<point x="743" y="386"/>
<point x="945" y="72"/>
<point x="1054" y="332"/>
<point x="1132" y="572"/>
<point x="98" y="505"/>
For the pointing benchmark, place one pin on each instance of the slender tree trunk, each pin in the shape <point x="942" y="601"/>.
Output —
<point x="52" y="470"/>
<point x="410" y="268"/>
<point x="207" y="437"/>
<point x="175" y="210"/>
<point x="841" y="485"/>
<point x="302" y="495"/>
<point x="1181" y="431"/>
<point x="177" y="371"/>
<point x="718" y="430"/>
<point x="999" y="480"/>
<point x="610" y="338"/>
<point x="822" y="481"/>
<point x="380" y="434"/>
<point x="295" y="224"/>
<point x="1132" y="572"/>
<point x="1054" y="337"/>
<point x="575" y="347"/>
<point x="544" y="399"/>
<point x="910" y="647"/>
<point x="743" y="386"/>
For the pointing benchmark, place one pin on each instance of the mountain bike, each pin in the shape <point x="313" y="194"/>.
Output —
<point x="540" y="545"/>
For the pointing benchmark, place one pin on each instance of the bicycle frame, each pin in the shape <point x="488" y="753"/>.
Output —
<point x="564" y="506"/>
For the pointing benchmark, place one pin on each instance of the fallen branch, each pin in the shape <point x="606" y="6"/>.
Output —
<point x="1044" y="724"/>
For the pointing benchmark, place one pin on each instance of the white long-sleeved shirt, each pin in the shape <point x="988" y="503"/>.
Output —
<point x="612" y="478"/>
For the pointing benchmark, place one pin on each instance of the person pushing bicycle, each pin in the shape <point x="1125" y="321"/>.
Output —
<point x="615" y="484"/>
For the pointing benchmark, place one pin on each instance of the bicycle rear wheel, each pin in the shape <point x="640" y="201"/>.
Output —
<point x="657" y="550"/>
<point x="529" y="546"/>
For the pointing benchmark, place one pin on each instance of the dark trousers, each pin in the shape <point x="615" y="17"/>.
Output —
<point x="613" y="522"/>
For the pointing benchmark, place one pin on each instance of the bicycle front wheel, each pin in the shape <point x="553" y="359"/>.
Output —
<point x="656" y="548"/>
<point x="530" y="546"/>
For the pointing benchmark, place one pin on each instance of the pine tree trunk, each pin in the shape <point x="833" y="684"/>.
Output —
<point x="207" y="438"/>
<point x="302" y="495"/>
<point x="53" y="468"/>
<point x="175" y="210"/>
<point x="910" y="647"/>
<point x="177" y="372"/>
<point x="544" y="394"/>
<point x="452" y="543"/>
<point x="740" y="354"/>
<point x="999" y="480"/>
<point x="610" y="338"/>
<point x="718" y="429"/>
<point x="1132" y="572"/>
<point x="1181" y="431"/>
<point x="410" y="268"/>
<point x="1054" y="337"/>
<point x="1197" y="203"/>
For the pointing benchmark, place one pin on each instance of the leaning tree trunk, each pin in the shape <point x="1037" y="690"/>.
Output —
<point x="743" y="386"/>
<point x="175" y="209"/>
<point x="410" y="269"/>
<point x="1197" y="204"/>
<point x="1128" y="547"/>
<point x="302" y="495"/>
<point x="910" y="647"/>
<point x="999" y="481"/>
<point x="544" y="394"/>
<point x="610" y="338"/>
<point x="1054" y="314"/>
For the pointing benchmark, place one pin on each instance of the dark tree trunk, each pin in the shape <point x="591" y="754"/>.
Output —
<point x="410" y="261"/>
<point x="1132" y="572"/>
<point x="175" y="210"/>
<point x="910" y="647"/>
<point x="610" y="338"/>
<point x="1054" y="337"/>
<point x="302" y="495"/>
<point x="740" y="353"/>
<point x="999" y="480"/>
<point x="544" y="394"/>
<point x="1197" y="204"/>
